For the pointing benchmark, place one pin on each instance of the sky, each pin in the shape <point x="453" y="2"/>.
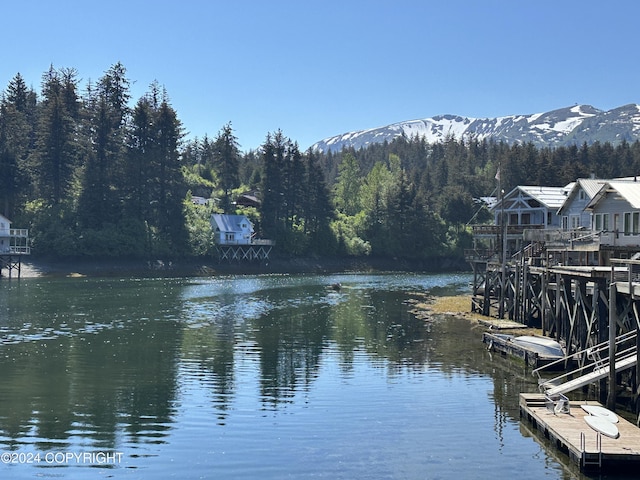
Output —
<point x="318" y="68"/>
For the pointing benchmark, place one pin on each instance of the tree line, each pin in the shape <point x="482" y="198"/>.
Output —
<point x="91" y="175"/>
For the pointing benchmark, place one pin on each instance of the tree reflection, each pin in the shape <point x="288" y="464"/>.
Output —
<point x="290" y="345"/>
<point x="89" y="370"/>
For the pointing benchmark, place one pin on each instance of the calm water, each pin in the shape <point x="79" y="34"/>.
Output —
<point x="264" y="377"/>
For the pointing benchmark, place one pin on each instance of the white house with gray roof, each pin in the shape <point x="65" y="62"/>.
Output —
<point x="572" y="212"/>
<point x="523" y="210"/>
<point x="231" y="229"/>
<point x="615" y="212"/>
<point x="531" y="207"/>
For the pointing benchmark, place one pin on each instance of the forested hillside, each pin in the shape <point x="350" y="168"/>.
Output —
<point x="92" y="172"/>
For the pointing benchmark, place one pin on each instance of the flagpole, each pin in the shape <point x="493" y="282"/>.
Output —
<point x="503" y="280"/>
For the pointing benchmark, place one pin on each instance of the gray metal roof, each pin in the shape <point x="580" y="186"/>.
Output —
<point x="629" y="190"/>
<point x="229" y="223"/>
<point x="591" y="186"/>
<point x="550" y="197"/>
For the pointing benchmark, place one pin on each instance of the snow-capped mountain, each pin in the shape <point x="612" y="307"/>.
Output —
<point x="562" y="127"/>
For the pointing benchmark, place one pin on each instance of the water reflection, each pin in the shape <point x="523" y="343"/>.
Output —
<point x="247" y="376"/>
<point x="87" y="363"/>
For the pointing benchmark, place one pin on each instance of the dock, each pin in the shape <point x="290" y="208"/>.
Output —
<point x="570" y="434"/>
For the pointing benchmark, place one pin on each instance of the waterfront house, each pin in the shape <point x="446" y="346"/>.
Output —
<point x="231" y="229"/>
<point x="5" y="228"/>
<point x="13" y="241"/>
<point x="572" y="212"/>
<point x="615" y="212"/>
<point x="531" y="207"/>
<point x="523" y="209"/>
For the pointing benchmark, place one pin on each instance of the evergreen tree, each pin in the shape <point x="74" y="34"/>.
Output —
<point x="9" y="172"/>
<point x="17" y="110"/>
<point x="170" y="186"/>
<point x="139" y="168"/>
<point x="226" y="158"/>
<point x="107" y="114"/>
<point x="293" y="185"/>
<point x="274" y="151"/>
<point x="317" y="207"/>
<point x="56" y="154"/>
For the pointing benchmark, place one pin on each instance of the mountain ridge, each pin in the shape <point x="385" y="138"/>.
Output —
<point x="561" y="127"/>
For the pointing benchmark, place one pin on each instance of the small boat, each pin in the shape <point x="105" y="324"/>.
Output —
<point x="534" y="350"/>
<point x="544" y="346"/>
<point x="602" y="425"/>
<point x="599" y="411"/>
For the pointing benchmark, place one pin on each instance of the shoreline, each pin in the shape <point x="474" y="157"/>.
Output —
<point x="195" y="267"/>
<point x="454" y="305"/>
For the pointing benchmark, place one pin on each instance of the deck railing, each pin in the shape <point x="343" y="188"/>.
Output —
<point x="486" y="230"/>
<point x="17" y="242"/>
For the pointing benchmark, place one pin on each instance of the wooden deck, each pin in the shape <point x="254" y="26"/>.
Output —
<point x="584" y="446"/>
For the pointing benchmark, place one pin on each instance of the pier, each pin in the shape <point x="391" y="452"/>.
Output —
<point x="594" y="312"/>
<point x="566" y="260"/>
<point x="256" y="251"/>
<point x="573" y="305"/>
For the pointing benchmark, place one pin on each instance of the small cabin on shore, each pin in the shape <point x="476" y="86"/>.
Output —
<point x="13" y="241"/>
<point x="232" y="229"/>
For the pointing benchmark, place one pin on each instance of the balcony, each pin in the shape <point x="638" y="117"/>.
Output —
<point x="15" y="243"/>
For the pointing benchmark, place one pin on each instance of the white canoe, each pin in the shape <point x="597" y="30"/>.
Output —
<point x="602" y="425"/>
<point x="599" y="411"/>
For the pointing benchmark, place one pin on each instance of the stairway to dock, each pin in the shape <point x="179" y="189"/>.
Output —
<point x="594" y="371"/>
<point x="591" y="377"/>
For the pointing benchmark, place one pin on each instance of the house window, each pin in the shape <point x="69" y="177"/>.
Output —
<point x="635" y="223"/>
<point x="526" y="219"/>
<point x="575" y="221"/>
<point x="627" y="223"/>
<point x="229" y="237"/>
<point x="581" y="195"/>
<point x="513" y="219"/>
<point x="565" y="223"/>
<point x="601" y="221"/>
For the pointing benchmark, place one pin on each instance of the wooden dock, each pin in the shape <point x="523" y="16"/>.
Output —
<point x="584" y="446"/>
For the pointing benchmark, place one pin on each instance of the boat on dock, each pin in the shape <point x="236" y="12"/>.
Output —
<point x="535" y="350"/>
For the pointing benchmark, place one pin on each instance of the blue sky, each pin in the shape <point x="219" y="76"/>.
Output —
<point x="317" y="68"/>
